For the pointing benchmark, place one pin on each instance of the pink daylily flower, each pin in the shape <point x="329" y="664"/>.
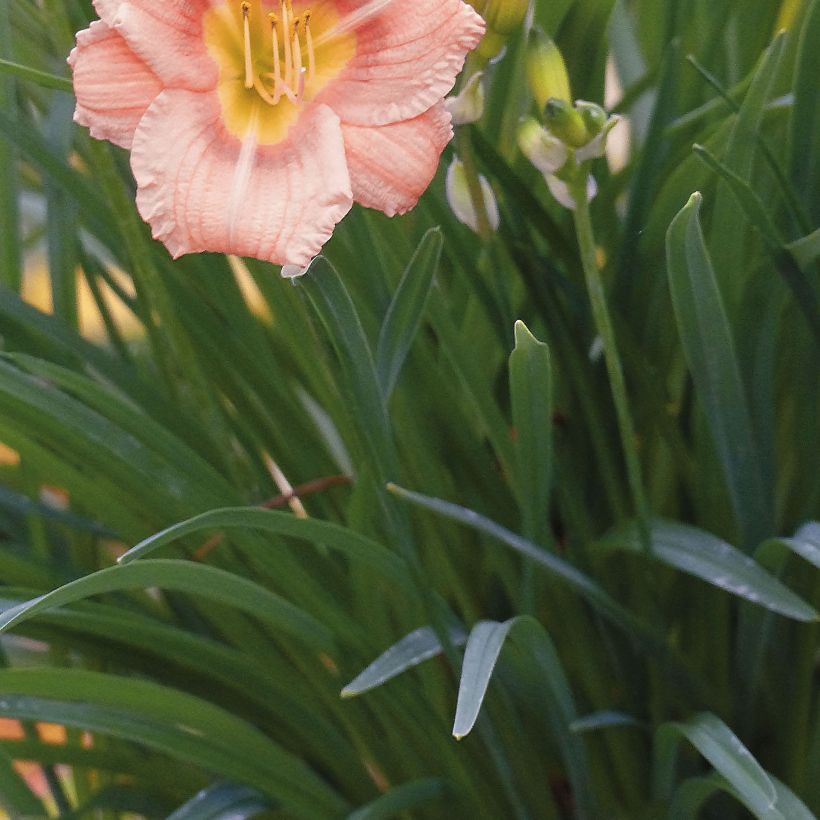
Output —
<point x="254" y="126"/>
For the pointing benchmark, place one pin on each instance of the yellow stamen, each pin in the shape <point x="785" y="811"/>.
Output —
<point x="277" y="71"/>
<point x="310" y="51"/>
<point x="246" y="8"/>
<point x="297" y="51"/>
<point x="287" y="9"/>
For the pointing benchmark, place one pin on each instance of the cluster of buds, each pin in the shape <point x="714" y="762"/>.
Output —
<point x="475" y="204"/>
<point x="503" y="17"/>
<point x="572" y="133"/>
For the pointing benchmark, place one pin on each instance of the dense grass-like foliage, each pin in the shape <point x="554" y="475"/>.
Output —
<point x="466" y="551"/>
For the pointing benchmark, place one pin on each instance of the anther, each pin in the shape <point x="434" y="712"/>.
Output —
<point x="246" y="8"/>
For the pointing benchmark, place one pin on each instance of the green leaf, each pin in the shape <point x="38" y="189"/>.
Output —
<point x="728" y="234"/>
<point x="484" y="646"/>
<point x="223" y="801"/>
<point x="321" y="533"/>
<point x="722" y="748"/>
<point x="183" y="576"/>
<point x="709" y="348"/>
<point x="805" y="543"/>
<point x="186" y="727"/>
<point x="574" y="578"/>
<point x="332" y="303"/>
<point x="750" y="203"/>
<point x="531" y="395"/>
<point x="406" y="309"/>
<point x="604" y="720"/>
<point x="401" y="799"/>
<point x="33" y="75"/>
<point x="414" y="648"/>
<point x="706" y="556"/>
<point x="806" y="250"/>
<point x="804" y="125"/>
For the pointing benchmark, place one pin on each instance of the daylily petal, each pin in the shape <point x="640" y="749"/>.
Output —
<point x="391" y="165"/>
<point x="112" y="85"/>
<point x="407" y="58"/>
<point x="167" y="35"/>
<point x="201" y="189"/>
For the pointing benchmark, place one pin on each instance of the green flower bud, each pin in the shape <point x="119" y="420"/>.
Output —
<point x="505" y="16"/>
<point x="491" y="44"/>
<point x="593" y="115"/>
<point x="565" y="122"/>
<point x="546" y="70"/>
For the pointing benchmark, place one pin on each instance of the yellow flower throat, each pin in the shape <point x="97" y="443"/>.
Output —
<point x="272" y="59"/>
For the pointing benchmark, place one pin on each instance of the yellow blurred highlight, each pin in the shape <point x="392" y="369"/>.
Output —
<point x="37" y="292"/>
<point x="788" y="11"/>
<point x="8" y="457"/>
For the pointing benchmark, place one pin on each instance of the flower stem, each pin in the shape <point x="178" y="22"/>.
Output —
<point x="603" y="323"/>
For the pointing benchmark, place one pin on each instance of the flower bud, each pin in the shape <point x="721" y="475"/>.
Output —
<point x="593" y="115"/>
<point x="596" y="147"/>
<point x="542" y="148"/>
<point x="546" y="70"/>
<point x="492" y="43"/>
<point x="564" y="193"/>
<point x="460" y="201"/>
<point x="468" y="105"/>
<point x="505" y="16"/>
<point x="565" y="122"/>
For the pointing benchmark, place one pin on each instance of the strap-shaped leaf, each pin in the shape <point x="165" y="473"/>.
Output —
<point x="724" y="750"/>
<point x="414" y="648"/>
<point x="182" y="576"/>
<point x="406" y="309"/>
<point x="706" y="556"/>
<point x="710" y="352"/>
<point x="223" y="801"/>
<point x="401" y="799"/>
<point x="484" y="646"/>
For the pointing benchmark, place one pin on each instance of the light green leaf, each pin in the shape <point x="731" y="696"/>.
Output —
<point x="706" y="556"/>
<point x="806" y="250"/>
<point x="404" y="314"/>
<point x="414" y="648"/>
<point x="484" y="646"/>
<point x="33" y="75"/>
<point x="722" y="748"/>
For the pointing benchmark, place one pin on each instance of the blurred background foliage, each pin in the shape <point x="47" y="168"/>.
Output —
<point x="203" y="681"/>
